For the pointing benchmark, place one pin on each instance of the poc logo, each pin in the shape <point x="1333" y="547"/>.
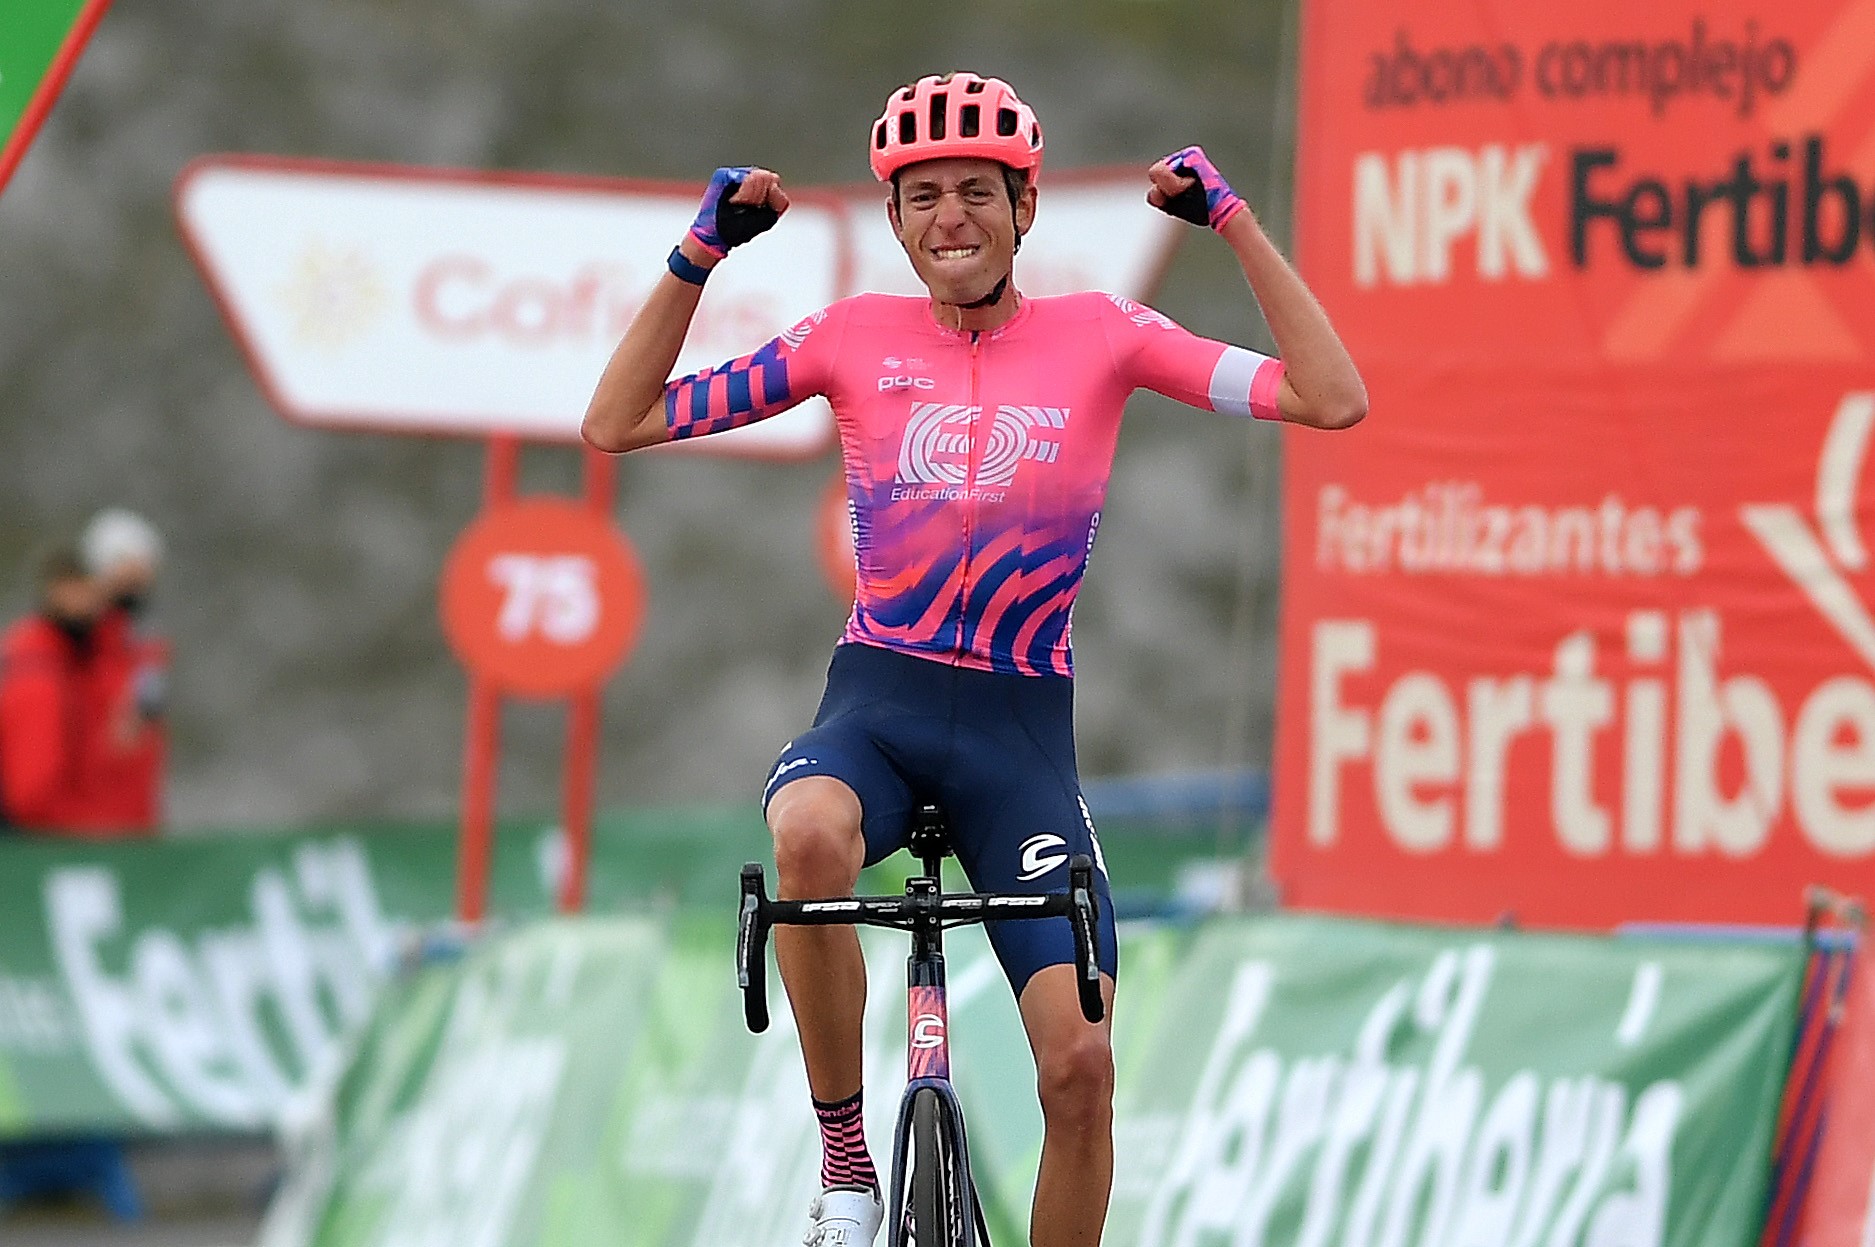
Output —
<point x="927" y="1031"/>
<point x="1037" y="859"/>
<point x="904" y="382"/>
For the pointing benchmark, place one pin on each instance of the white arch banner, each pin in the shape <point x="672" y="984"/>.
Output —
<point x="404" y="300"/>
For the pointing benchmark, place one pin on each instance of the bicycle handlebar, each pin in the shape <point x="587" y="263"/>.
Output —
<point x="1084" y="911"/>
<point x="752" y="949"/>
<point x="1080" y="904"/>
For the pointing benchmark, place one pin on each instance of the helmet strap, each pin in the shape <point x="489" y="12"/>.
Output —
<point x="996" y="293"/>
<point x="991" y="299"/>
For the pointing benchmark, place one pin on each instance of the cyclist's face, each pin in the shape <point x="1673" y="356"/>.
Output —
<point x="955" y="221"/>
<point x="74" y="599"/>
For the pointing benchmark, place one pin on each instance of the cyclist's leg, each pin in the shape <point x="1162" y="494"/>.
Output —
<point x="1073" y="1058"/>
<point x="815" y="822"/>
<point x="1017" y="818"/>
<point x="833" y="803"/>
<point x="1074" y="1076"/>
<point x="817" y="804"/>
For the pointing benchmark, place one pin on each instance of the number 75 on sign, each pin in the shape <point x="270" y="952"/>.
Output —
<point x="542" y="597"/>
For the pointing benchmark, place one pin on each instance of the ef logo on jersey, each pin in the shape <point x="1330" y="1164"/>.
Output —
<point x="936" y="449"/>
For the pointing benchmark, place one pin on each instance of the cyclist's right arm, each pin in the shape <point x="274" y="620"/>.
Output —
<point x="627" y="411"/>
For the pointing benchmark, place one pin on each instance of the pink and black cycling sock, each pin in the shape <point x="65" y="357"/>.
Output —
<point x="844" y="1160"/>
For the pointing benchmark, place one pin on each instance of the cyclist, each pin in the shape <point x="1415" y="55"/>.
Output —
<point x="978" y="429"/>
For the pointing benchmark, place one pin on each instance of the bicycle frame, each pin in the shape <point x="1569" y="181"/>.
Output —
<point x="928" y="1061"/>
<point x="927" y="1021"/>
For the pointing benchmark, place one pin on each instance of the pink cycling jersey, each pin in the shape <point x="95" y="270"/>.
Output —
<point x="976" y="463"/>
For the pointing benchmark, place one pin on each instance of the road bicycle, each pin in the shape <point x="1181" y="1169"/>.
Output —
<point x="933" y="1198"/>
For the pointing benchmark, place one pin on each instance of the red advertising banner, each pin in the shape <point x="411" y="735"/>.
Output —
<point x="1579" y="625"/>
<point x="1840" y="1210"/>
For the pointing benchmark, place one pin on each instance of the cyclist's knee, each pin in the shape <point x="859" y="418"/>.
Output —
<point x="818" y="846"/>
<point x="1075" y="1079"/>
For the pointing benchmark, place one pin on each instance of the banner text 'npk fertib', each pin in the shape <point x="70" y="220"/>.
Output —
<point x="1579" y="624"/>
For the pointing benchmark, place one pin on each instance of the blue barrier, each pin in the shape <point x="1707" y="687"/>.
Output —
<point x="1198" y="798"/>
<point x="68" y="1167"/>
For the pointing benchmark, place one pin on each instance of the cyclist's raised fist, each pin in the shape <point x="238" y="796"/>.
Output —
<point x="741" y="202"/>
<point x="1188" y="186"/>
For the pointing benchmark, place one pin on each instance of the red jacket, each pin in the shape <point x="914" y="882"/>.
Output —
<point x="130" y="794"/>
<point x="65" y="748"/>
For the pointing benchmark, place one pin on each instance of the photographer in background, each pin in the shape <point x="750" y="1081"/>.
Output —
<point x="124" y="553"/>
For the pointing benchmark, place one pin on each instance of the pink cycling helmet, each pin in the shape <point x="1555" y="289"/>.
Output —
<point x="958" y="114"/>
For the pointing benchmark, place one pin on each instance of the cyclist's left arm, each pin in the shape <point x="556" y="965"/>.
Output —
<point x="1320" y="386"/>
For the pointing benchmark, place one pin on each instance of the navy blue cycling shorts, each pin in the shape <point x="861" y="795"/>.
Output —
<point x="996" y="751"/>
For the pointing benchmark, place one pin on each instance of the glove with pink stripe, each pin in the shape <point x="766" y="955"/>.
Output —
<point x="1209" y="201"/>
<point x="721" y="224"/>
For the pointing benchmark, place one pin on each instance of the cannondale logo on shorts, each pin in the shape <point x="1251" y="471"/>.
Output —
<point x="1038" y="857"/>
<point x="936" y="449"/>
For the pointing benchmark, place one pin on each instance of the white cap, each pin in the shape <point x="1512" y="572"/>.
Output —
<point x="116" y="536"/>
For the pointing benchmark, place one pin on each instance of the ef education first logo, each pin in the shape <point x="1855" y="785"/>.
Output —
<point x="937" y="446"/>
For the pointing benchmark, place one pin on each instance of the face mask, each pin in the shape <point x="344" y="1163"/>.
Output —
<point x="79" y="630"/>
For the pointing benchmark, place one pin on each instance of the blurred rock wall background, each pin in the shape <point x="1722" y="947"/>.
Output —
<point x="312" y="681"/>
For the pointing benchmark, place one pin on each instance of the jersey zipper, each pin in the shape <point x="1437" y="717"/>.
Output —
<point x="973" y="465"/>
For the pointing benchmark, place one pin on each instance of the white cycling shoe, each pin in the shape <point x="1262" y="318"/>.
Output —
<point x="845" y="1216"/>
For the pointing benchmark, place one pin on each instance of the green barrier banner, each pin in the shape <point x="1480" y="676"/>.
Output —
<point x="591" y="1082"/>
<point x="156" y="987"/>
<point x="191" y="984"/>
<point x="174" y="987"/>
<point x="1315" y="1082"/>
<point x="1284" y="1082"/>
<point x="39" y="43"/>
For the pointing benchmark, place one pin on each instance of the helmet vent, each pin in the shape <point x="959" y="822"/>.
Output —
<point x="878" y="136"/>
<point x="969" y="118"/>
<point x="938" y="103"/>
<point x="908" y="127"/>
<point x="1006" y="122"/>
